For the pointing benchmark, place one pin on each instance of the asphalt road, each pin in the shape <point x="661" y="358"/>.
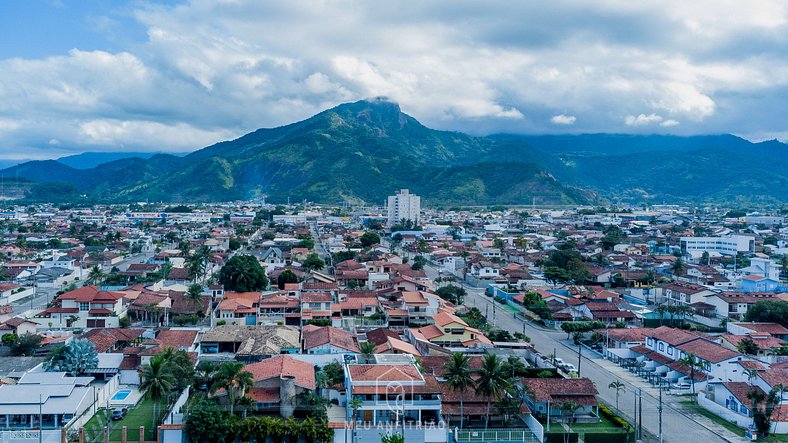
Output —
<point x="677" y="426"/>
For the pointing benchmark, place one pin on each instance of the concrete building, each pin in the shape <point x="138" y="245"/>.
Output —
<point x="696" y="246"/>
<point x="403" y="206"/>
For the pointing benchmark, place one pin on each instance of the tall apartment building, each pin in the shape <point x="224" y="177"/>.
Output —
<point x="403" y="206"/>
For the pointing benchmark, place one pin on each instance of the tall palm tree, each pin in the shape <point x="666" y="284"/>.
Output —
<point x="157" y="382"/>
<point x="457" y="372"/>
<point x="694" y="365"/>
<point x="355" y="405"/>
<point x="619" y="387"/>
<point x="367" y="351"/>
<point x="232" y="377"/>
<point x="492" y="382"/>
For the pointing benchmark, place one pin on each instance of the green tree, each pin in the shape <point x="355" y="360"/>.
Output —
<point x="619" y="387"/>
<point x="9" y="339"/>
<point x="452" y="293"/>
<point x="367" y="350"/>
<point x="243" y="273"/>
<point x="74" y="358"/>
<point x="747" y="346"/>
<point x="492" y="382"/>
<point x="95" y="275"/>
<point x="458" y="375"/>
<point x="26" y="344"/>
<point x="195" y="294"/>
<point x="234" y="244"/>
<point x="313" y="262"/>
<point x="285" y="277"/>
<point x="369" y="238"/>
<point x="157" y="382"/>
<point x="418" y="262"/>
<point x="694" y="365"/>
<point x="678" y="267"/>
<point x="392" y="438"/>
<point x="771" y="311"/>
<point x="232" y="377"/>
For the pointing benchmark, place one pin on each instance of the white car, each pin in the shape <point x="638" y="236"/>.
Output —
<point x="558" y="362"/>
<point x="569" y="367"/>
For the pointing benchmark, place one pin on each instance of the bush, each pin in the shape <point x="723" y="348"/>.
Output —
<point x="124" y="322"/>
<point x="185" y="319"/>
<point x="221" y="322"/>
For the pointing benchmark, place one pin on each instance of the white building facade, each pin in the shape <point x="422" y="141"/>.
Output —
<point x="404" y="205"/>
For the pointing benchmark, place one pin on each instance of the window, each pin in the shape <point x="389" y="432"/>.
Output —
<point x="670" y="350"/>
<point x="661" y="347"/>
<point x="84" y="306"/>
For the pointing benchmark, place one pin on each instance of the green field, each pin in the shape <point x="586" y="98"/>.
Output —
<point x="141" y="415"/>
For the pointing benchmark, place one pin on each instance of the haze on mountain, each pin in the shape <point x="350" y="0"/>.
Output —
<point x="366" y="150"/>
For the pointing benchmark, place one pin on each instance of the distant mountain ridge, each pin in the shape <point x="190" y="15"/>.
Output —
<point x="88" y="160"/>
<point x="366" y="150"/>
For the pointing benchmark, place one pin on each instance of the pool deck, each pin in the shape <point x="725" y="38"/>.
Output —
<point x="132" y="399"/>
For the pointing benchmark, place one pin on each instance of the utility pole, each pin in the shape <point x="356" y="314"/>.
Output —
<point x="579" y="358"/>
<point x="640" y="414"/>
<point x="635" y="415"/>
<point x="660" y="413"/>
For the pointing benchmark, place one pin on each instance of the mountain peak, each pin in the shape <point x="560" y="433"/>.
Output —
<point x="380" y="112"/>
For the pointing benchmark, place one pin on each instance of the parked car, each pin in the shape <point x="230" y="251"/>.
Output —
<point x="119" y="413"/>
<point x="569" y="367"/>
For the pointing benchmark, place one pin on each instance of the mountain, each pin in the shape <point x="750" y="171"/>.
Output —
<point x="88" y="160"/>
<point x="630" y="168"/>
<point x="366" y="150"/>
<point x="359" y="152"/>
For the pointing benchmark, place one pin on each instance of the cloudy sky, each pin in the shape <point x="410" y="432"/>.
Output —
<point x="90" y="75"/>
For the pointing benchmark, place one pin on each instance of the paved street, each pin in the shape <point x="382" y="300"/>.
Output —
<point x="677" y="424"/>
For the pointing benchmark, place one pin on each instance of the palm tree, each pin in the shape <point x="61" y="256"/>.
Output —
<point x="95" y="275"/>
<point x="355" y="405"/>
<point x="694" y="365"/>
<point x="619" y="387"/>
<point x="678" y="266"/>
<point x="492" y="381"/>
<point x="195" y="294"/>
<point x="457" y="372"/>
<point x="157" y="382"/>
<point x="204" y="374"/>
<point x="232" y="377"/>
<point x="367" y="351"/>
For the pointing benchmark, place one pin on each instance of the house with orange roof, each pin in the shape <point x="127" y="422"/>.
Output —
<point x="86" y="307"/>
<point x="278" y="381"/>
<point x="448" y="330"/>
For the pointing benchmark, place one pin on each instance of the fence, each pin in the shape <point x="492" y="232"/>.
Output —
<point x="176" y="416"/>
<point x="497" y="435"/>
<point x="723" y="412"/>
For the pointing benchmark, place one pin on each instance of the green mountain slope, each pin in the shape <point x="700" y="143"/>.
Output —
<point x="358" y="152"/>
<point x="364" y="151"/>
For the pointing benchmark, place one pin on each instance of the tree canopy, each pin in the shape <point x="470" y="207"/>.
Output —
<point x="243" y="273"/>
<point x="775" y="311"/>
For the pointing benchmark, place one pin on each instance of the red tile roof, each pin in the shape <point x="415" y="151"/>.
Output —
<point x="284" y="365"/>
<point x="315" y="336"/>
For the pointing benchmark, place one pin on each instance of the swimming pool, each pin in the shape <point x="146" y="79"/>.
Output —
<point x="121" y="395"/>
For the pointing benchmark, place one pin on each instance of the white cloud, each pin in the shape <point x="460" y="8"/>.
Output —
<point x="642" y="119"/>
<point x="562" y="119"/>
<point x="217" y="70"/>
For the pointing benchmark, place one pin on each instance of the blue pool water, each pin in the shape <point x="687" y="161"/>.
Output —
<point x="121" y="395"/>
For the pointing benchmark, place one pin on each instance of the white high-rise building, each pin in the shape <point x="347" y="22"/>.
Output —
<point x="403" y="206"/>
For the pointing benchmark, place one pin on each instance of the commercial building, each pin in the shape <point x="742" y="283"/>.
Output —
<point x="696" y="246"/>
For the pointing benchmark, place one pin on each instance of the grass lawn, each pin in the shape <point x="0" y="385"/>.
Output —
<point x="689" y="404"/>
<point x="141" y="415"/>
<point x="604" y="425"/>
